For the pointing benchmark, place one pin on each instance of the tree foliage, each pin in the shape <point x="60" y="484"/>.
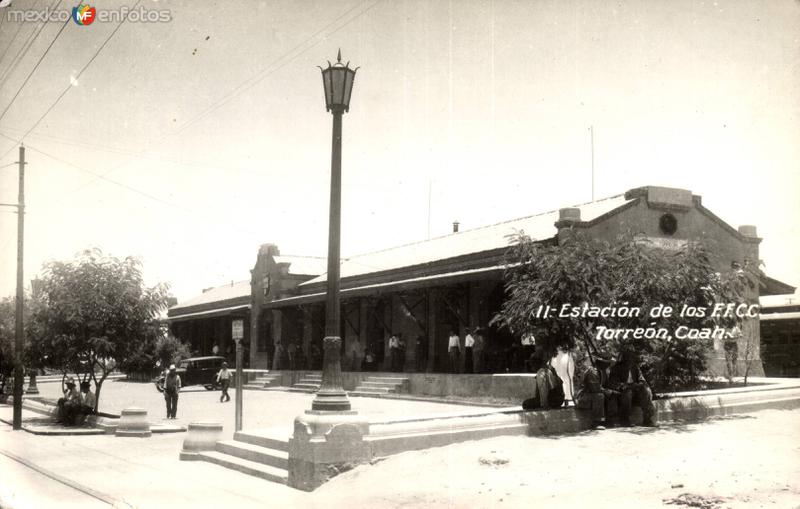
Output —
<point x="31" y="356"/>
<point x="96" y="313"/>
<point x="627" y="272"/>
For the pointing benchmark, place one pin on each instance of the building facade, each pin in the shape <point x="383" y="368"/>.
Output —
<point x="428" y="290"/>
<point x="780" y="335"/>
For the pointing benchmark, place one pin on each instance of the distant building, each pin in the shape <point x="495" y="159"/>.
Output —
<point x="427" y="289"/>
<point x="780" y="335"/>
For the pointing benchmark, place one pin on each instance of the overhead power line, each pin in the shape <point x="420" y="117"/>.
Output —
<point x="26" y="47"/>
<point x="275" y="65"/>
<point x="67" y="89"/>
<point x="16" y="34"/>
<point x="38" y="62"/>
<point x="191" y="212"/>
<point x="241" y="88"/>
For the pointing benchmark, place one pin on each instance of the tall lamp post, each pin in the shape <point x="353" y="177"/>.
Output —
<point x="338" y="82"/>
<point x="330" y="436"/>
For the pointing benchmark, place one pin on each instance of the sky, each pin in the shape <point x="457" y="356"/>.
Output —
<point x="189" y="143"/>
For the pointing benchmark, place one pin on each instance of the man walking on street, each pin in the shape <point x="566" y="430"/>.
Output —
<point x="224" y="379"/>
<point x="172" y="387"/>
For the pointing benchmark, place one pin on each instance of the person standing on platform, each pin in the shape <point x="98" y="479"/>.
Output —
<point x="469" y="344"/>
<point x="172" y="387"/>
<point x="477" y="350"/>
<point x="394" y="352"/>
<point x="224" y="379"/>
<point x="354" y="356"/>
<point x="292" y="351"/>
<point x="401" y="354"/>
<point x="276" y="360"/>
<point x="454" y="351"/>
<point x="528" y="349"/>
<point x="421" y="353"/>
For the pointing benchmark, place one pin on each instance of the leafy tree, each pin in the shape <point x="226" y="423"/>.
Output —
<point x="31" y="356"/>
<point x="96" y="313"/>
<point x="170" y="350"/>
<point x="7" y="337"/>
<point x="628" y="273"/>
<point x="157" y="351"/>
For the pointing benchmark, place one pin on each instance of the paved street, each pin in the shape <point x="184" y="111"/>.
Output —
<point x="748" y="460"/>
<point x="275" y="410"/>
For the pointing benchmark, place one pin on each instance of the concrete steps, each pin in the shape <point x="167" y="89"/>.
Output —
<point x="309" y="383"/>
<point x="256" y="438"/>
<point x="253" y="453"/>
<point x="254" y="468"/>
<point x="263" y="455"/>
<point x="376" y="386"/>
<point x="262" y="382"/>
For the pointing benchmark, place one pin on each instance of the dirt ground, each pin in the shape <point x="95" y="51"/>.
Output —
<point x="747" y="461"/>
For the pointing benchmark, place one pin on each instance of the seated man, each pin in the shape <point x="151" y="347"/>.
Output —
<point x="593" y="393"/>
<point x="88" y="401"/>
<point x="69" y="404"/>
<point x="548" y="390"/>
<point x="626" y="379"/>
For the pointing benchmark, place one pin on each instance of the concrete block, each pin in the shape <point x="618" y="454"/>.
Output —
<point x="201" y="436"/>
<point x="133" y="423"/>
<point x="669" y="198"/>
<point x="325" y="444"/>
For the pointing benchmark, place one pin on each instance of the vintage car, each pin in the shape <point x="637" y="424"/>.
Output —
<point x="196" y="371"/>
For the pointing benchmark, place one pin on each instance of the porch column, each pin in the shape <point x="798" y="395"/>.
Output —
<point x="432" y="296"/>
<point x="363" y="310"/>
<point x="277" y="328"/>
<point x="255" y="314"/>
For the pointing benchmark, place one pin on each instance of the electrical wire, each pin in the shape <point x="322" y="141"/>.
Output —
<point x="16" y="34"/>
<point x="26" y="47"/>
<point x="242" y="87"/>
<point x="35" y="67"/>
<point x="78" y="75"/>
<point x="275" y="66"/>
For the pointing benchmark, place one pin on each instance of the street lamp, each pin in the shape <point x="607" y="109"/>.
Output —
<point x="330" y="436"/>
<point x="338" y="83"/>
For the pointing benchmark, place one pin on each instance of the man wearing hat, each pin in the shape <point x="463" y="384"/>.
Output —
<point x="172" y="386"/>
<point x="69" y="404"/>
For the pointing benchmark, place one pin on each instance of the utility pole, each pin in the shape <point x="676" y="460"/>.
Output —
<point x="19" y="374"/>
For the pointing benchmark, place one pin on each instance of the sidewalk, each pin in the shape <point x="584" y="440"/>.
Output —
<point x="135" y="472"/>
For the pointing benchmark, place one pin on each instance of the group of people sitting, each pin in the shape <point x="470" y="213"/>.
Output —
<point x="609" y="388"/>
<point x="76" y="405"/>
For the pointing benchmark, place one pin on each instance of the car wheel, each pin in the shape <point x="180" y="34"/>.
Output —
<point x="210" y="387"/>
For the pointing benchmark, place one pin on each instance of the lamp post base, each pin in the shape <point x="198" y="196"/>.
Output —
<point x="331" y="396"/>
<point x="330" y="401"/>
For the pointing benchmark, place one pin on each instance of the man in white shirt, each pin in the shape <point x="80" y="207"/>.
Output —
<point x="88" y="399"/>
<point x="469" y="344"/>
<point x="394" y="352"/>
<point x="528" y="349"/>
<point x="454" y="350"/>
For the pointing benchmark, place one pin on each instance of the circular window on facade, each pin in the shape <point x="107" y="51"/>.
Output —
<point x="668" y="224"/>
